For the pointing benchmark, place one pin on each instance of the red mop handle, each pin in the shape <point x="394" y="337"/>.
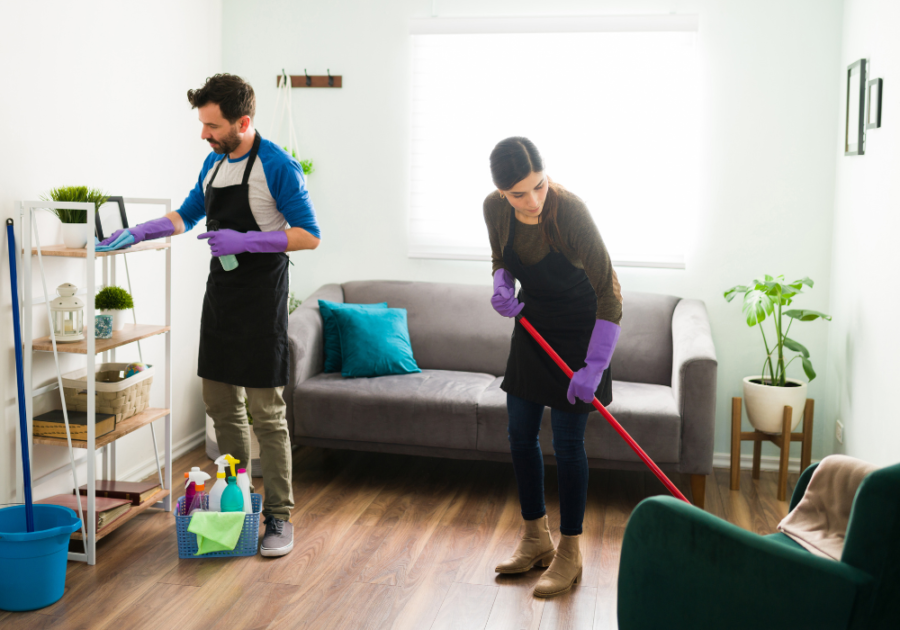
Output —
<point x="609" y="417"/>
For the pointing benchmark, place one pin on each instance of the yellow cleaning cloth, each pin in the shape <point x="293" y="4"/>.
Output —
<point x="216" y="531"/>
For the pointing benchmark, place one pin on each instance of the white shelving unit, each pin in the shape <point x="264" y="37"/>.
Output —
<point x="90" y="348"/>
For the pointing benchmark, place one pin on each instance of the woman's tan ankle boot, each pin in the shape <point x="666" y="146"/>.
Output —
<point x="564" y="571"/>
<point x="535" y="549"/>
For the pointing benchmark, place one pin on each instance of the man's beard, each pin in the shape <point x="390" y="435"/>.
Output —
<point x="227" y="144"/>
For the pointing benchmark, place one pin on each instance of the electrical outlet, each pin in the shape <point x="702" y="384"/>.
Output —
<point x="839" y="431"/>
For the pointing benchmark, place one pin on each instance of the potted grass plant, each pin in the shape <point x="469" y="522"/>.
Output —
<point x="765" y="395"/>
<point x="74" y="222"/>
<point x="114" y="301"/>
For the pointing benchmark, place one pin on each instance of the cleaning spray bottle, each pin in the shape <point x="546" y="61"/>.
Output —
<point x="232" y="499"/>
<point x="228" y="262"/>
<point x="215" y="495"/>
<point x="195" y="477"/>
<point x="243" y="482"/>
<point x="199" y="502"/>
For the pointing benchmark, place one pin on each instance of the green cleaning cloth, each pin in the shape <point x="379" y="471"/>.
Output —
<point x="216" y="531"/>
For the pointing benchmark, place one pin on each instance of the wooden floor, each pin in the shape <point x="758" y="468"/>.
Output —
<point x="380" y="541"/>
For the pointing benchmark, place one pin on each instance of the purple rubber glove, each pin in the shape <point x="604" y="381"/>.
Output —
<point x="157" y="228"/>
<point x="227" y="242"/>
<point x="600" y="350"/>
<point x="504" y="299"/>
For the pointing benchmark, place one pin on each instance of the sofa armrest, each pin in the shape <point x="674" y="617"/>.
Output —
<point x="694" y="368"/>
<point x="307" y="343"/>
<point x="682" y="567"/>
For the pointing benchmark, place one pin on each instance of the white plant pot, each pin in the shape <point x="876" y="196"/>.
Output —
<point x="118" y="317"/>
<point x="765" y="404"/>
<point x="75" y="235"/>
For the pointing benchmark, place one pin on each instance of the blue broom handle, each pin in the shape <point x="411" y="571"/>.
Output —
<point x="20" y="377"/>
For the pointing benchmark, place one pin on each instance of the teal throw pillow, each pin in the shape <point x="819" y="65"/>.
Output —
<point x="332" y="336"/>
<point x="375" y="342"/>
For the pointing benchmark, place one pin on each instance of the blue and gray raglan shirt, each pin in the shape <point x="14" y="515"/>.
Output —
<point x="278" y="195"/>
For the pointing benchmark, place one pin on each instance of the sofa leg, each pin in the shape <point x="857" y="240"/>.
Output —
<point x="698" y="490"/>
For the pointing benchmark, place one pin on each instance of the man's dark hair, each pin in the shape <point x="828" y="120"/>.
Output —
<point x="231" y="93"/>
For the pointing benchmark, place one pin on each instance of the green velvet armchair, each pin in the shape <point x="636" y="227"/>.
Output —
<point x="684" y="568"/>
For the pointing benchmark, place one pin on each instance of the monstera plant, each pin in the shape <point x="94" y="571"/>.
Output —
<point x="767" y="394"/>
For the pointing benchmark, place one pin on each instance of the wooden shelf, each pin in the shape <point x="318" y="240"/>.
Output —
<point x="123" y="428"/>
<point x="68" y="252"/>
<point x="130" y="514"/>
<point x="128" y="334"/>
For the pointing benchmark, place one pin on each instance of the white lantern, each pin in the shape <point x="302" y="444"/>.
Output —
<point x="67" y="313"/>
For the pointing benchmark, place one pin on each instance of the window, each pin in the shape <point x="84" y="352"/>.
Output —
<point x="612" y="104"/>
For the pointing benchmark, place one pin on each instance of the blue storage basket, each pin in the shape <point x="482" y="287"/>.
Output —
<point x="247" y="544"/>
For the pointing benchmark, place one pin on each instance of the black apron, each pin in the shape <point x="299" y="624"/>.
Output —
<point x="243" y="329"/>
<point x="562" y="306"/>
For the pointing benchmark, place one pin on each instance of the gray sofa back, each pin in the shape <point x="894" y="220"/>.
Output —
<point x="454" y="327"/>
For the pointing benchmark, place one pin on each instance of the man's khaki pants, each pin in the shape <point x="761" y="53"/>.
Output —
<point x="225" y="405"/>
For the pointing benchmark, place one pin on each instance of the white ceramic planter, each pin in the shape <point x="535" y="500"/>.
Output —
<point x="75" y="235"/>
<point x="765" y="404"/>
<point x="118" y="319"/>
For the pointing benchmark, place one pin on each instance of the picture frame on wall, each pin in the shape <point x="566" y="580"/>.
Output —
<point x="111" y="217"/>
<point x="873" y="106"/>
<point x="855" y="121"/>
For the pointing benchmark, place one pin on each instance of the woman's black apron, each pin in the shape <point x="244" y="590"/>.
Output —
<point x="562" y="305"/>
<point x="243" y="328"/>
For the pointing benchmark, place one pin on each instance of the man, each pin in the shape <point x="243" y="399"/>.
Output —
<point x="256" y="205"/>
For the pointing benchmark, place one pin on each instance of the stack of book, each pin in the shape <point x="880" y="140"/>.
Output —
<point x="52" y="424"/>
<point x="114" y="499"/>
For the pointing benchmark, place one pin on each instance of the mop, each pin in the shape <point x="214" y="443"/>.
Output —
<point x="20" y="380"/>
<point x="609" y="417"/>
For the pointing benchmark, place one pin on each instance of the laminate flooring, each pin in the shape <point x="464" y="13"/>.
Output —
<point x="380" y="542"/>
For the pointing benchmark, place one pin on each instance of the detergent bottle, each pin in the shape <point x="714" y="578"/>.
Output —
<point x="243" y="482"/>
<point x="232" y="500"/>
<point x="199" y="502"/>
<point x="195" y="477"/>
<point x="215" y="495"/>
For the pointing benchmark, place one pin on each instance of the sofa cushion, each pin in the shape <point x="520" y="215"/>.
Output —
<point x="647" y="412"/>
<point x="432" y="408"/>
<point x="451" y="326"/>
<point x="374" y="342"/>
<point x="331" y="333"/>
<point x="644" y="351"/>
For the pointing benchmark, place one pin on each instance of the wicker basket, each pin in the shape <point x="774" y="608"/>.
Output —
<point x="115" y="394"/>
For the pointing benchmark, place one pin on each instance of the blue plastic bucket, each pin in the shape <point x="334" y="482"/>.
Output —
<point x="33" y="573"/>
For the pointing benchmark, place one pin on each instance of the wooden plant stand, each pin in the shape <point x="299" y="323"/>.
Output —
<point x="757" y="437"/>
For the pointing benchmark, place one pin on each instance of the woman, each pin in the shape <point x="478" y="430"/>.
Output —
<point x="544" y="237"/>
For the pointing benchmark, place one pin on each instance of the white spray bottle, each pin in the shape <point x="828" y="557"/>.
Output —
<point x="215" y="495"/>
<point x="243" y="482"/>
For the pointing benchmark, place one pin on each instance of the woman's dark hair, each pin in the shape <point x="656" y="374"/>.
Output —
<point x="231" y="93"/>
<point x="514" y="159"/>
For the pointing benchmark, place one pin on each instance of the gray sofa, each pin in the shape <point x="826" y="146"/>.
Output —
<point x="664" y="382"/>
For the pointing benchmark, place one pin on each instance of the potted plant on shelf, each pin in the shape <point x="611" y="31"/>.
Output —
<point x="113" y="301"/>
<point x="767" y="394"/>
<point x="74" y="222"/>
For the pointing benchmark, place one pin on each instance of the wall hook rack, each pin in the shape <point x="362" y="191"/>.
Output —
<point x="311" y="80"/>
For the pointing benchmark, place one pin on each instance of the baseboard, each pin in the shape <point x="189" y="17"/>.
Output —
<point x="179" y="448"/>
<point x="766" y="462"/>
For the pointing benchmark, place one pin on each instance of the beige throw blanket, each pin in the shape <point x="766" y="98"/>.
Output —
<point x="819" y="522"/>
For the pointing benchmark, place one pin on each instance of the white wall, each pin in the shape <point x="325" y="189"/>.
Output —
<point x="771" y="95"/>
<point x="94" y="94"/>
<point x="863" y="367"/>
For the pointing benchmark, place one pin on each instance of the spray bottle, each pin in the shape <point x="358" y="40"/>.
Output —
<point x="199" y="502"/>
<point x="232" y="500"/>
<point x="215" y="495"/>
<point x="243" y="482"/>
<point x="228" y="262"/>
<point x="195" y="477"/>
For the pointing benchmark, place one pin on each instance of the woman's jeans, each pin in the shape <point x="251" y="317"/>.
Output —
<point x="528" y="461"/>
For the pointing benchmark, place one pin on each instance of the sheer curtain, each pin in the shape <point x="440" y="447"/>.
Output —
<point x="613" y="110"/>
